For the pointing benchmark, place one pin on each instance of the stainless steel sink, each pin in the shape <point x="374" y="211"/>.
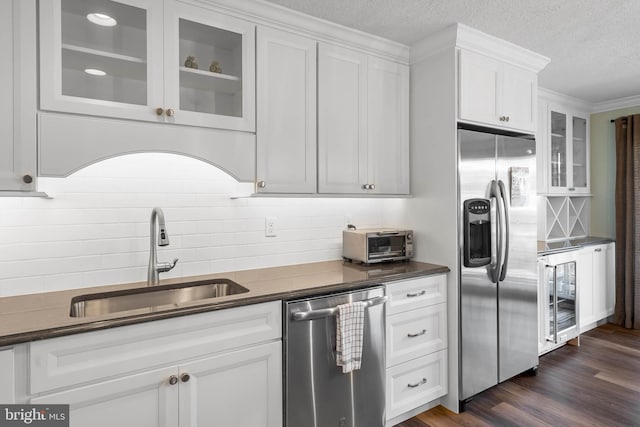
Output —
<point x="152" y="297"/>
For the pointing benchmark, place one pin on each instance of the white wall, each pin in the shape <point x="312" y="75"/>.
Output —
<point x="95" y="228"/>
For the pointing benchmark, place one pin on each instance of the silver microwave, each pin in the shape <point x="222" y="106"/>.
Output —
<point x="377" y="245"/>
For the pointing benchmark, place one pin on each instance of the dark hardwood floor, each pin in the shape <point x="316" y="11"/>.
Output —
<point x="596" y="384"/>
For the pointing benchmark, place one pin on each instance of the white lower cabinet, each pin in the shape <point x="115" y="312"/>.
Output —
<point x="596" y="284"/>
<point x="7" y="374"/>
<point x="415" y="333"/>
<point x="240" y="388"/>
<point x="219" y="368"/>
<point x="416" y="340"/>
<point x="414" y="383"/>
<point x="144" y="400"/>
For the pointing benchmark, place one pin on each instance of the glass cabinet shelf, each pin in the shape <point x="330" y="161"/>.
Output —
<point x="206" y="80"/>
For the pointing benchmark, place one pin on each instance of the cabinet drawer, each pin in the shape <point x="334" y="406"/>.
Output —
<point x="90" y="356"/>
<point x="415" y="293"/>
<point x="415" y="383"/>
<point x="416" y="333"/>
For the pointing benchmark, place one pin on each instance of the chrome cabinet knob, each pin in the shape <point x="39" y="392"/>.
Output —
<point x="372" y="186"/>
<point x="27" y="179"/>
<point x="159" y="111"/>
<point x="169" y="112"/>
<point x="262" y="184"/>
<point x="507" y="118"/>
<point x="185" y="377"/>
<point x="173" y="380"/>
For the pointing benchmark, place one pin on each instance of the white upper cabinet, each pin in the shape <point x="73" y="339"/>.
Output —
<point x="495" y="93"/>
<point x="388" y="126"/>
<point x="18" y="95"/>
<point x="342" y="130"/>
<point x="138" y="64"/>
<point x="363" y="123"/>
<point x="286" y="112"/>
<point x="565" y="136"/>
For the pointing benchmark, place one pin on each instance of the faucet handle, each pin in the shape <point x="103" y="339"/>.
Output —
<point x="166" y="266"/>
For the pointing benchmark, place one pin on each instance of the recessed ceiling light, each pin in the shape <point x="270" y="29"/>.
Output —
<point x="102" y="19"/>
<point x="95" y="72"/>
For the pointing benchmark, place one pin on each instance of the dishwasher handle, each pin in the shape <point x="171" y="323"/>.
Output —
<point x="326" y="312"/>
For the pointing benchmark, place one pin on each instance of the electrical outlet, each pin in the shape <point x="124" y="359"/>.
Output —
<point x="348" y="219"/>
<point x="270" y="226"/>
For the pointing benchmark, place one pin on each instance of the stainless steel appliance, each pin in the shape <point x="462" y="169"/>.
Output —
<point x="377" y="245"/>
<point x="317" y="393"/>
<point x="498" y="263"/>
<point x="557" y="300"/>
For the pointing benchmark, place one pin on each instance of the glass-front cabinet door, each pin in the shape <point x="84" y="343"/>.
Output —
<point x="101" y="57"/>
<point x="580" y="156"/>
<point x="559" y="150"/>
<point x="147" y="60"/>
<point x="210" y="68"/>
<point x="568" y="160"/>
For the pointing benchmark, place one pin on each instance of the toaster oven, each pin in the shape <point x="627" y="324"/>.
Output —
<point x="377" y="245"/>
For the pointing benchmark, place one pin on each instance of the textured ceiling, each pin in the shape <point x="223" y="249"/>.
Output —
<point x="594" y="45"/>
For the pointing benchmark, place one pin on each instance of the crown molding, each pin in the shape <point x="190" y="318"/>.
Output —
<point x="434" y="43"/>
<point x="561" y="98"/>
<point x="472" y="39"/>
<point x="616" y="104"/>
<point x="276" y="16"/>
<point x="464" y="37"/>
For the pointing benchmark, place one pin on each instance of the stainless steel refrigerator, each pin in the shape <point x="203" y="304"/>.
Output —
<point x="498" y="251"/>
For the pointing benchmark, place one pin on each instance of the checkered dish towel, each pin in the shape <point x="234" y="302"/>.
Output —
<point x="349" y="332"/>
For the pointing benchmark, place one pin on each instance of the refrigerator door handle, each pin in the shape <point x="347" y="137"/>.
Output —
<point x="496" y="232"/>
<point x="505" y="240"/>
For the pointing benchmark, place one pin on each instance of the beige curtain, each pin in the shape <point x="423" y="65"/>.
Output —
<point x="627" y="308"/>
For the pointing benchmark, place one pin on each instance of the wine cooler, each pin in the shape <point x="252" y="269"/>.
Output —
<point x="557" y="297"/>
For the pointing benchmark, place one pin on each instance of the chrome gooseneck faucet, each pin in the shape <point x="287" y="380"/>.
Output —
<point x="163" y="240"/>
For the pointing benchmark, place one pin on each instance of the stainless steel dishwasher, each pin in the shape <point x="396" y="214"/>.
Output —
<point x="317" y="393"/>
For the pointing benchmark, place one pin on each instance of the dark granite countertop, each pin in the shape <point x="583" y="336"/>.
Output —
<point x="547" y="248"/>
<point x="34" y="317"/>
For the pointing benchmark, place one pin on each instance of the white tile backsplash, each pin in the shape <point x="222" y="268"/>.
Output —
<point x="95" y="228"/>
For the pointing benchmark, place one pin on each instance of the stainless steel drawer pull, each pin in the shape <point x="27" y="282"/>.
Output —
<point x="418" y="384"/>
<point x="422" y="332"/>
<point x="326" y="312"/>
<point x="598" y="250"/>
<point x="416" y="294"/>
